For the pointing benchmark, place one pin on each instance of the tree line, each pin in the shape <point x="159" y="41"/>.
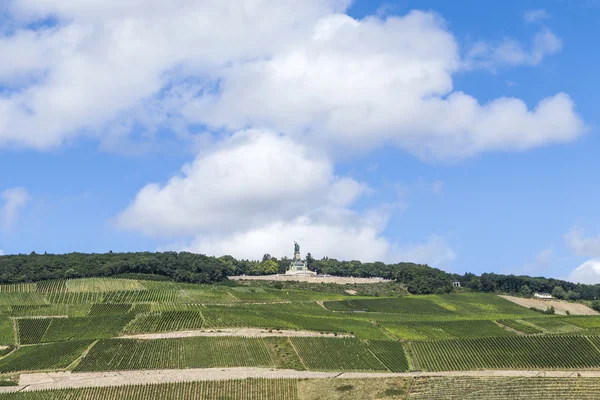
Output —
<point x="198" y="268"/>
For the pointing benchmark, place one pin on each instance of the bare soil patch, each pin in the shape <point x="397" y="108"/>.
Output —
<point x="561" y="307"/>
<point x="246" y="332"/>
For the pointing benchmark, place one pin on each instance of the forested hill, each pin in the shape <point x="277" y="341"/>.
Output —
<point x="198" y="268"/>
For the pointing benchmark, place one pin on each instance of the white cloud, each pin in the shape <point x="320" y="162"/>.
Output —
<point x="581" y="245"/>
<point x="536" y="15"/>
<point x="253" y="178"/>
<point x="588" y="273"/>
<point x="14" y="200"/>
<point x="352" y="239"/>
<point x="300" y="67"/>
<point x="435" y="252"/>
<point x="105" y="59"/>
<point x="542" y="261"/>
<point x="359" y="84"/>
<point x="510" y="52"/>
<point x="1" y="252"/>
<point x="259" y="192"/>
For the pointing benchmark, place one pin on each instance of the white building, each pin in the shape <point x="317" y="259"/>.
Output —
<point x="543" y="296"/>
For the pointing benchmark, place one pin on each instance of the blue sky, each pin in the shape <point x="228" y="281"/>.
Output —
<point x="463" y="135"/>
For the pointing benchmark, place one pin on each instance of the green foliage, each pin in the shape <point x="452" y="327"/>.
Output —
<point x="7" y="336"/>
<point x="266" y="267"/>
<point x="390" y="353"/>
<point x="85" y="328"/>
<point x="31" y="330"/>
<point x="165" y="322"/>
<point x="517" y="352"/>
<point x="435" y="306"/>
<point x="549" y="310"/>
<point x="559" y="292"/>
<point x="282" y="353"/>
<point x="573" y="295"/>
<point x="525" y="291"/>
<point x="325" y="354"/>
<point x="109" y="309"/>
<point x="429" y="330"/>
<point x="185" y="267"/>
<point x="193" y="352"/>
<point x="519" y="326"/>
<point x="43" y="357"/>
<point x="555" y="325"/>
<point x="17" y="271"/>
<point x="591" y="322"/>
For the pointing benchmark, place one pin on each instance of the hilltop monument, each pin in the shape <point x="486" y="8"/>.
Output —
<point x="298" y="266"/>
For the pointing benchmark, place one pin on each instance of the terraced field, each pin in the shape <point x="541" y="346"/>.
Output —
<point x="467" y="388"/>
<point x="194" y="352"/>
<point x="249" y="389"/>
<point x="64" y="324"/>
<point x="430" y="330"/>
<point x="325" y="354"/>
<point x="519" y="352"/>
<point x="43" y="357"/>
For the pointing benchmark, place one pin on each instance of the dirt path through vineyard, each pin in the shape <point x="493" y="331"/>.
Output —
<point x="62" y="380"/>
<point x="246" y="332"/>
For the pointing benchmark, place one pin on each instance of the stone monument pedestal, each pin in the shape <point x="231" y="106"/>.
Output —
<point x="298" y="266"/>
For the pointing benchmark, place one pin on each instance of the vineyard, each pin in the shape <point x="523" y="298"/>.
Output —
<point x="520" y="326"/>
<point x="43" y="357"/>
<point x="390" y="353"/>
<point x="80" y="325"/>
<point x="193" y="352"/>
<point x="325" y="354"/>
<point x="467" y="388"/>
<point x="44" y="330"/>
<point x="429" y="330"/>
<point x="422" y="388"/>
<point x="518" y="352"/>
<point x="166" y="321"/>
<point x="248" y="389"/>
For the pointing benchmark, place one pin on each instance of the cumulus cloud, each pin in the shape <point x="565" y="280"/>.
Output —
<point x="351" y="238"/>
<point x="1" y="252"/>
<point x="259" y="192"/>
<point x="373" y="81"/>
<point x="511" y="53"/>
<point x="304" y="68"/>
<point x="253" y="178"/>
<point x="14" y="200"/>
<point x="588" y="273"/>
<point x="582" y="245"/>
<point x="536" y="15"/>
